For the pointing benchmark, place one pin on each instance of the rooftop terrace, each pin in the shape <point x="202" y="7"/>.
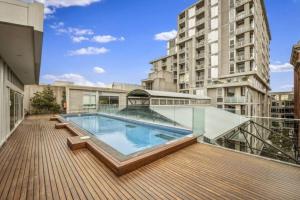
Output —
<point x="36" y="163"/>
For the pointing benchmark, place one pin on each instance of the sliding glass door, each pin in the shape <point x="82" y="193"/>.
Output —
<point x="15" y="108"/>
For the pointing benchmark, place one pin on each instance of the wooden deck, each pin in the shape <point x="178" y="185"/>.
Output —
<point x="36" y="163"/>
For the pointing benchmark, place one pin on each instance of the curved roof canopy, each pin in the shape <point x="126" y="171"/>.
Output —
<point x="154" y="93"/>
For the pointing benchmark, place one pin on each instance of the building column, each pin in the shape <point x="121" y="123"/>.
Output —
<point x="68" y="100"/>
<point x="2" y="106"/>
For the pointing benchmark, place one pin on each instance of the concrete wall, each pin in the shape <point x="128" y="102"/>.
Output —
<point x="18" y="12"/>
<point x="30" y="90"/>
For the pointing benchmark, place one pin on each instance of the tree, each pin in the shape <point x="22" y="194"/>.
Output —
<point x="44" y="102"/>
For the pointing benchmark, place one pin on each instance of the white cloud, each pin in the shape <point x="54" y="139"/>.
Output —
<point x="52" y="5"/>
<point x="78" y="35"/>
<point x="88" y="51"/>
<point x="285" y="67"/>
<point x="59" y="27"/>
<point x="287" y="87"/>
<point x="75" y="78"/>
<point x="78" y="31"/>
<point x="165" y="36"/>
<point x="99" y="70"/>
<point x="78" y="39"/>
<point x="106" y="38"/>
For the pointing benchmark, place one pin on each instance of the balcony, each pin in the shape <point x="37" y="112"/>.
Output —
<point x="200" y="33"/>
<point x="200" y="10"/>
<point x="243" y="43"/>
<point x="181" y="60"/>
<point x="180" y="21"/>
<point x="200" y="56"/>
<point x="235" y="100"/>
<point x="244" y="14"/>
<point x="200" y="78"/>
<point x="200" y="21"/>
<point x="200" y="44"/>
<point x="240" y="58"/>
<point x="181" y="39"/>
<point x="243" y="29"/>
<point x="182" y="71"/>
<point x="199" y="66"/>
<point x="182" y="30"/>
<point x="181" y="50"/>
<point x="241" y="2"/>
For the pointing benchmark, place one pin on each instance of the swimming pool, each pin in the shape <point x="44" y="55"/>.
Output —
<point x="127" y="136"/>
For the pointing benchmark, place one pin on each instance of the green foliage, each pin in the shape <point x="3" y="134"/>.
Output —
<point x="44" y="102"/>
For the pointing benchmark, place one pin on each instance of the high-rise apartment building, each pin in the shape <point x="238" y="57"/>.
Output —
<point x="221" y="50"/>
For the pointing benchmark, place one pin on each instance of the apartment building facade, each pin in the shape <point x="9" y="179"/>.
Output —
<point x="295" y="61"/>
<point x="282" y="107"/>
<point x="221" y="50"/>
<point x="21" y="36"/>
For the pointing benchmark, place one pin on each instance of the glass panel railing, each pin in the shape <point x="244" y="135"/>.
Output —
<point x="274" y="138"/>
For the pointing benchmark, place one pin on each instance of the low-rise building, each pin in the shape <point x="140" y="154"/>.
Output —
<point x="75" y="98"/>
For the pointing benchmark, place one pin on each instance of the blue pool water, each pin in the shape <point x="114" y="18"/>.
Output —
<point x="125" y="136"/>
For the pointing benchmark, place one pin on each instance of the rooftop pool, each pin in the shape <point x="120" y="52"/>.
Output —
<point x="127" y="136"/>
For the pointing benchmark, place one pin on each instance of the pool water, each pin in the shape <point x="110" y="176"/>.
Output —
<point x="126" y="136"/>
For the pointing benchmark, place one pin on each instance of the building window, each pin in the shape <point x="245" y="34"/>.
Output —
<point x="243" y="91"/>
<point x="241" y="68"/>
<point x="230" y="92"/>
<point x="243" y="110"/>
<point x="109" y="100"/>
<point x="16" y="108"/>
<point x="231" y="68"/>
<point x="155" y="101"/>
<point x="89" y="101"/>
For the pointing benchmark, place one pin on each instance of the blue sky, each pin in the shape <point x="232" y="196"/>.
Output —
<point x="97" y="42"/>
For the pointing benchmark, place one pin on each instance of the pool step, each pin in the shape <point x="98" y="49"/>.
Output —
<point x="60" y="125"/>
<point x="77" y="142"/>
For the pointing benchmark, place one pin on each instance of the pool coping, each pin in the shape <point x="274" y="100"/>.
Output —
<point x="80" y="140"/>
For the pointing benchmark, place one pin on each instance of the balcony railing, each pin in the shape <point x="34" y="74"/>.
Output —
<point x="244" y="14"/>
<point x="243" y="29"/>
<point x="241" y="2"/>
<point x="200" y="56"/>
<point x="200" y="44"/>
<point x="200" y="21"/>
<point x="199" y="78"/>
<point x="200" y="10"/>
<point x="239" y="99"/>
<point x="181" y="20"/>
<point x="243" y="43"/>
<point x="181" y="60"/>
<point x="199" y="66"/>
<point x="181" y="50"/>
<point x="240" y="58"/>
<point x="182" y="30"/>
<point x="181" y="71"/>
<point x="200" y="33"/>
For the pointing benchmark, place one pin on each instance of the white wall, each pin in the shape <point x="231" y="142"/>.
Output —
<point x="2" y="106"/>
<point x="18" y="12"/>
